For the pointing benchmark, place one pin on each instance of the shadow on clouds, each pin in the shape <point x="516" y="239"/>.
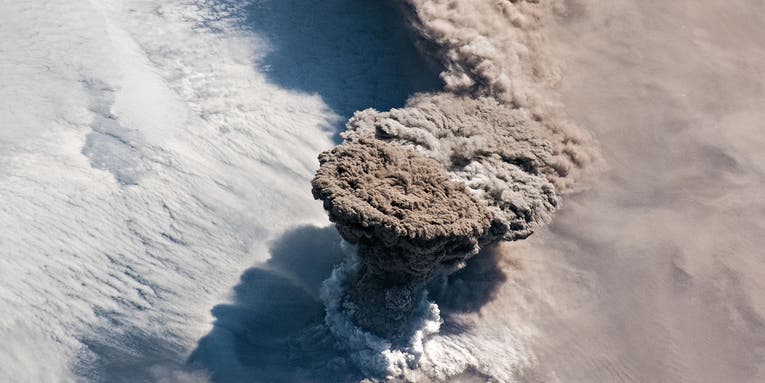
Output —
<point x="273" y="330"/>
<point x="355" y="54"/>
<point x="469" y="289"/>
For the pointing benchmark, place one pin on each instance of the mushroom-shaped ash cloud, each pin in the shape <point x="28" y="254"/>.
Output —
<point x="419" y="189"/>
<point x="409" y="219"/>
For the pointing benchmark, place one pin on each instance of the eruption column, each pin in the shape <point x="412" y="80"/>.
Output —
<point x="421" y="188"/>
<point x="409" y="219"/>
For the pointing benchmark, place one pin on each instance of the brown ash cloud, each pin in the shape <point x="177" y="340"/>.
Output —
<point x="421" y="188"/>
<point x="408" y="218"/>
<point x="498" y="152"/>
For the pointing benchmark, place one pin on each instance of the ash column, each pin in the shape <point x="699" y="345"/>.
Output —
<point x="409" y="220"/>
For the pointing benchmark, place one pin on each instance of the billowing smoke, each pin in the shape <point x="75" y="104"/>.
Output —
<point x="421" y="188"/>
<point x="408" y="219"/>
<point x="497" y="49"/>
<point x="497" y="151"/>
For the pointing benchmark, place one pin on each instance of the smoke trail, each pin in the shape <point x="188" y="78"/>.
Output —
<point x="497" y="48"/>
<point x="420" y="189"/>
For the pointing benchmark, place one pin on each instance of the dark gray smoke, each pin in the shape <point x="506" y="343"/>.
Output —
<point x="420" y="188"/>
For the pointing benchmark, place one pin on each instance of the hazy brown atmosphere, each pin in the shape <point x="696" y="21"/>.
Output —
<point x="656" y="274"/>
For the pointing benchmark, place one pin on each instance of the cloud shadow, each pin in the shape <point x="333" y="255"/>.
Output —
<point x="355" y="54"/>
<point x="469" y="289"/>
<point x="273" y="330"/>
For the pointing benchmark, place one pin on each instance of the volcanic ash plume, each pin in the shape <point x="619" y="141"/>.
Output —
<point x="408" y="219"/>
<point x="421" y="188"/>
<point x="498" y="152"/>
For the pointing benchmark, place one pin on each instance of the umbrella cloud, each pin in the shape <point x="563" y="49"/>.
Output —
<point x="421" y="188"/>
